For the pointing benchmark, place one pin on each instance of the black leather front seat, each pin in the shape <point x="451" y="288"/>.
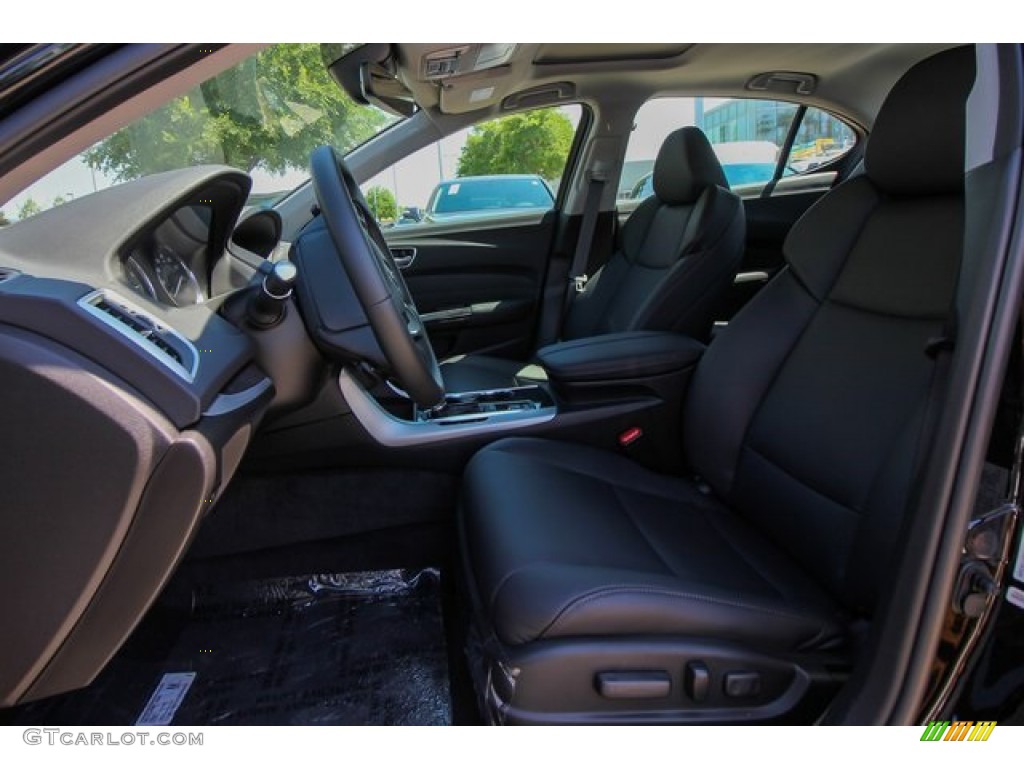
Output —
<point x="604" y="592"/>
<point x="680" y="251"/>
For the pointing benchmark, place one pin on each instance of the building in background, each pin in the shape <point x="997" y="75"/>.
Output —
<point x="821" y="136"/>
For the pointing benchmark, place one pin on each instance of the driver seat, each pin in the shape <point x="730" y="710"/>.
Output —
<point x="603" y="592"/>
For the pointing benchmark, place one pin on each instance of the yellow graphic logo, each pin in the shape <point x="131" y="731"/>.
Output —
<point x="958" y="730"/>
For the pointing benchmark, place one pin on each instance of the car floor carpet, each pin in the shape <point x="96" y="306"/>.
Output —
<point x="358" y="648"/>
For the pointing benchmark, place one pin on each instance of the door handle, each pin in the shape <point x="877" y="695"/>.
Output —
<point x="751" y="277"/>
<point x="403" y="256"/>
<point x="456" y="313"/>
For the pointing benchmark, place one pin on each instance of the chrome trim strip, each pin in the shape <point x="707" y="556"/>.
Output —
<point x="396" y="433"/>
<point x="88" y="303"/>
<point x="232" y="401"/>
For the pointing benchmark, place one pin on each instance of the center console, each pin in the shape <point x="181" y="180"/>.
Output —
<point x="620" y="365"/>
<point x="463" y="415"/>
<point x="471" y="407"/>
<point x="621" y="391"/>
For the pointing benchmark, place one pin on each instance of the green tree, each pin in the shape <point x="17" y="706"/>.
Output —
<point x="4" y="221"/>
<point x="532" y="142"/>
<point x="58" y="200"/>
<point x="270" y="111"/>
<point x="28" y="208"/>
<point x="382" y="203"/>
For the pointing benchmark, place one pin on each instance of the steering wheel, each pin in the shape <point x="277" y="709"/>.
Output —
<point x="376" y="279"/>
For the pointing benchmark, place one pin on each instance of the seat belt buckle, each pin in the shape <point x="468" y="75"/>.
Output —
<point x="579" y="283"/>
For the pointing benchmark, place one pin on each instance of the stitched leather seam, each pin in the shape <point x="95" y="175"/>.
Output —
<point x="639" y="530"/>
<point x="553" y="462"/>
<point x="714" y="523"/>
<point x="794" y="272"/>
<point x="803" y="482"/>
<point x="492" y="598"/>
<point x="880" y="313"/>
<point x="741" y="444"/>
<point x="604" y="592"/>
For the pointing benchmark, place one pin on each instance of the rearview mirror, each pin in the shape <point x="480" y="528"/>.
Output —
<point x="368" y="75"/>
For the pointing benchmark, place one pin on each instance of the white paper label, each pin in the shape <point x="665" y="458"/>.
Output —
<point x="166" y="699"/>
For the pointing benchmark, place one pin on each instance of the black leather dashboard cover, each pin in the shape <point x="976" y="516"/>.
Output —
<point x="617" y="356"/>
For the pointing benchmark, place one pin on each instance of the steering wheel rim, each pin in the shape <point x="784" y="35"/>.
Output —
<point x="376" y="279"/>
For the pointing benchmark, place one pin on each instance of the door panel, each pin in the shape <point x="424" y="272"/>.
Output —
<point x="478" y="288"/>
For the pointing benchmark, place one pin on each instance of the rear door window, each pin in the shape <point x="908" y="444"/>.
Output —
<point x="748" y="136"/>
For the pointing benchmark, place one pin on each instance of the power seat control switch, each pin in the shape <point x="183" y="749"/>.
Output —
<point x="633" y="685"/>
<point x="742" y="685"/>
<point x="697" y="681"/>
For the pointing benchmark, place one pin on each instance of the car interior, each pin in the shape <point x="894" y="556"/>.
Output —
<point x="705" y="457"/>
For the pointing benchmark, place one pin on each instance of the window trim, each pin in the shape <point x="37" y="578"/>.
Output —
<point x="785" y="150"/>
<point x="573" y="163"/>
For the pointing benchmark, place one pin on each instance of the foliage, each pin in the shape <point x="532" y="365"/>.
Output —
<point x="532" y="142"/>
<point x="382" y="203"/>
<point x="270" y="111"/>
<point x="29" y="208"/>
<point x="4" y="221"/>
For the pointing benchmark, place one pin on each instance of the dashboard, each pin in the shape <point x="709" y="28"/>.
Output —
<point x="145" y="260"/>
<point x="130" y="399"/>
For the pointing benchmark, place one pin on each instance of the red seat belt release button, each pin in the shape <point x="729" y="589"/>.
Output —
<point x="630" y="436"/>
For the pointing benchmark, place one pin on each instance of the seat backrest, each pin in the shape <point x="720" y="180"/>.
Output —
<point x="806" y="413"/>
<point x="681" y="249"/>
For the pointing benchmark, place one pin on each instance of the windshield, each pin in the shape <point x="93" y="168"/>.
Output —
<point x="264" y="116"/>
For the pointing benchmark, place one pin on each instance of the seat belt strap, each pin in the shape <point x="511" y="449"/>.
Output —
<point x="578" y="271"/>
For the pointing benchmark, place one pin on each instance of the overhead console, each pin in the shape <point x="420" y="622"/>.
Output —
<point x="463" y="59"/>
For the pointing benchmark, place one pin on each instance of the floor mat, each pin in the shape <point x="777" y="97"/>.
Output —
<point x="342" y="649"/>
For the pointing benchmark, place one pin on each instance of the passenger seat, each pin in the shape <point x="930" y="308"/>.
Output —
<point x="680" y="251"/>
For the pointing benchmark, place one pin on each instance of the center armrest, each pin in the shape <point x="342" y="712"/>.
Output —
<point x="619" y="356"/>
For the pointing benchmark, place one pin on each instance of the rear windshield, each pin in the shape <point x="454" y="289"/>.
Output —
<point x="460" y="196"/>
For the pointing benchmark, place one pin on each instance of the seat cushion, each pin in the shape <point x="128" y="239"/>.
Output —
<point x="564" y="540"/>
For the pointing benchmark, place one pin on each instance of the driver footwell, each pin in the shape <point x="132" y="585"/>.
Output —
<point x="362" y="648"/>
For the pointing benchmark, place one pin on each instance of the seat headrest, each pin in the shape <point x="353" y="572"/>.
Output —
<point x="686" y="166"/>
<point x="917" y="143"/>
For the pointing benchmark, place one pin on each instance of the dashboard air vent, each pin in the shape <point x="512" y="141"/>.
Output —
<point x="142" y="329"/>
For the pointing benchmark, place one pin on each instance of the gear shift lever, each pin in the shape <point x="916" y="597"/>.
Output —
<point x="267" y="305"/>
